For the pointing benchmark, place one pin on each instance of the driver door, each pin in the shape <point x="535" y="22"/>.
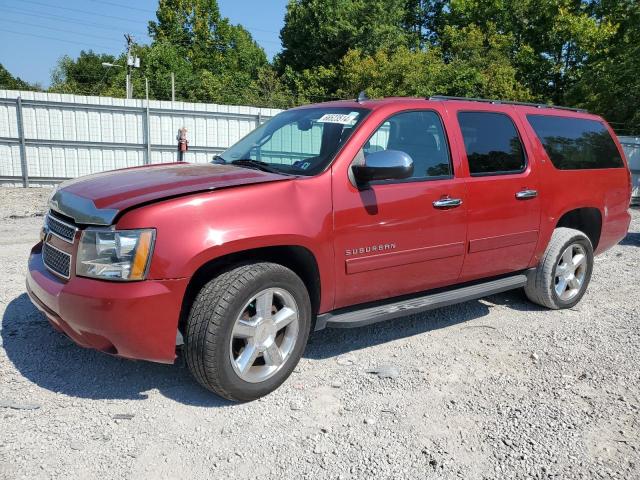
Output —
<point x="397" y="237"/>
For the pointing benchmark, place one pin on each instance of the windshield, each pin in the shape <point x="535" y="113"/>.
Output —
<point x="298" y="142"/>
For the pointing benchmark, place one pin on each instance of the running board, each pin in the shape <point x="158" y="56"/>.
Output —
<point x="379" y="313"/>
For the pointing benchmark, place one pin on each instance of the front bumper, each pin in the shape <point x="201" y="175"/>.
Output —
<point x="137" y="320"/>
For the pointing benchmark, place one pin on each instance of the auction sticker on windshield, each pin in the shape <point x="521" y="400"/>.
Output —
<point x="341" y="118"/>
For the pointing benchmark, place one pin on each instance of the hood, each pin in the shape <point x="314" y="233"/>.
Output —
<point x="97" y="199"/>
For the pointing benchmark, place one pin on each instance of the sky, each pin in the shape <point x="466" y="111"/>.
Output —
<point x="34" y="34"/>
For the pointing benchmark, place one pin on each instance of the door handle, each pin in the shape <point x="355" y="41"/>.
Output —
<point x="526" y="194"/>
<point x="445" y="203"/>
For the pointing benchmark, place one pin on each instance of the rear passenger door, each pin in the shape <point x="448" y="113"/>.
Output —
<point x="503" y="206"/>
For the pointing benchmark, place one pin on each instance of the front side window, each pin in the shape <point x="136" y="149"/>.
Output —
<point x="300" y="142"/>
<point x="420" y="135"/>
<point x="492" y="143"/>
<point x="576" y="143"/>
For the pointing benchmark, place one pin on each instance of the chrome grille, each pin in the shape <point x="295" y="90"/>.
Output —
<point x="56" y="260"/>
<point x="63" y="230"/>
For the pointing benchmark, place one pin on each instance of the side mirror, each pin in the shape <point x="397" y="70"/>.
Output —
<point x="383" y="165"/>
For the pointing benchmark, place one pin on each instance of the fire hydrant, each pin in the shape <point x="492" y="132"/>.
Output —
<point x="183" y="143"/>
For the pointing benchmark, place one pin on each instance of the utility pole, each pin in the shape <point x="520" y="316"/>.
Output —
<point x="173" y="87"/>
<point x="132" y="62"/>
<point x="129" y="40"/>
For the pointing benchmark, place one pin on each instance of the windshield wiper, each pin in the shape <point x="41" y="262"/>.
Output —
<point x="218" y="160"/>
<point x="257" y="164"/>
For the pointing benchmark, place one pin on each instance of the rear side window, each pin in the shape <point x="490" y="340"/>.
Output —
<point x="492" y="143"/>
<point x="576" y="143"/>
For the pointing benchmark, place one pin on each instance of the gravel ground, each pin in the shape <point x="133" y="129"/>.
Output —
<point x="496" y="388"/>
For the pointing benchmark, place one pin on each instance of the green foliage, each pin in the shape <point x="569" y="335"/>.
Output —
<point x="475" y="65"/>
<point x="206" y="39"/>
<point x="318" y="33"/>
<point x="10" y="82"/>
<point x="551" y="39"/>
<point x="84" y="75"/>
<point x="212" y="60"/>
<point x="270" y="90"/>
<point x="158" y="62"/>
<point x="575" y="52"/>
<point x="610" y="81"/>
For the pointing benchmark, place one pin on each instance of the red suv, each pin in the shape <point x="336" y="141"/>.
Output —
<point x="338" y="214"/>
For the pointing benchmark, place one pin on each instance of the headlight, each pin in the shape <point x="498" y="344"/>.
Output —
<point x="115" y="255"/>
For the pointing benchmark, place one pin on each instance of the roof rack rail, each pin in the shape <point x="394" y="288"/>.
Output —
<point x="506" y="102"/>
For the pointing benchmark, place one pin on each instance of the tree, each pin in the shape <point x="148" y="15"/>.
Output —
<point x="205" y="38"/>
<point x="610" y="81"/>
<point x="10" y="82"/>
<point x="318" y="33"/>
<point x="424" y="19"/>
<point x="475" y="66"/>
<point x="269" y="90"/>
<point x="551" y="39"/>
<point x="574" y="52"/>
<point x="86" y="75"/>
<point x="217" y="61"/>
<point x="317" y="84"/>
<point x="158" y="62"/>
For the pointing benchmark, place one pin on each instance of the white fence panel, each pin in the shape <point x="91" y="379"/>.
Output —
<point x="631" y="147"/>
<point x="47" y="137"/>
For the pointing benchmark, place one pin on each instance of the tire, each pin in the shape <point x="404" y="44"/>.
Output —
<point x="231" y="330"/>
<point x="545" y="283"/>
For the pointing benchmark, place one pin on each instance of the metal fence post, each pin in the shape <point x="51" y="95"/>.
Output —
<point x="23" y="148"/>
<point x="110" y="114"/>
<point x="147" y="124"/>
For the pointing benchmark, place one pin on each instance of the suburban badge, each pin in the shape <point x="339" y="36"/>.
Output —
<point x="370" y="249"/>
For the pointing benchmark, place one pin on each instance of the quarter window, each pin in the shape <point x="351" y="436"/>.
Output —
<point x="576" y="143"/>
<point x="419" y="134"/>
<point x="492" y="143"/>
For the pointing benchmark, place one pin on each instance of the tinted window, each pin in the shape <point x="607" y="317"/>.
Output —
<point x="492" y="143"/>
<point x="421" y="136"/>
<point x="576" y="143"/>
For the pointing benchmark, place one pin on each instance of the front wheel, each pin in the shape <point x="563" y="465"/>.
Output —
<point x="562" y="276"/>
<point x="247" y="330"/>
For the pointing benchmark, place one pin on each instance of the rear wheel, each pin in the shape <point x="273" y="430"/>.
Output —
<point x="247" y="330"/>
<point x="562" y="276"/>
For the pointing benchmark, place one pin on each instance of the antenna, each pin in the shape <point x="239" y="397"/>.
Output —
<point x="362" y="97"/>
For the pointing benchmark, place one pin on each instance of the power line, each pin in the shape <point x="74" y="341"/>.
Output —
<point x="101" y="83"/>
<point x="123" y="19"/>
<point x="86" y="12"/>
<point x="77" y="20"/>
<point x="122" y="5"/>
<point x="152" y="12"/>
<point x="56" y="29"/>
<point x="55" y="39"/>
<point x="59" y="18"/>
<point x="70" y="32"/>
<point x="90" y="78"/>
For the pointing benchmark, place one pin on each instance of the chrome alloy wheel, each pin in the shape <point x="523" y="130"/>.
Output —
<point x="264" y="335"/>
<point x="570" y="272"/>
